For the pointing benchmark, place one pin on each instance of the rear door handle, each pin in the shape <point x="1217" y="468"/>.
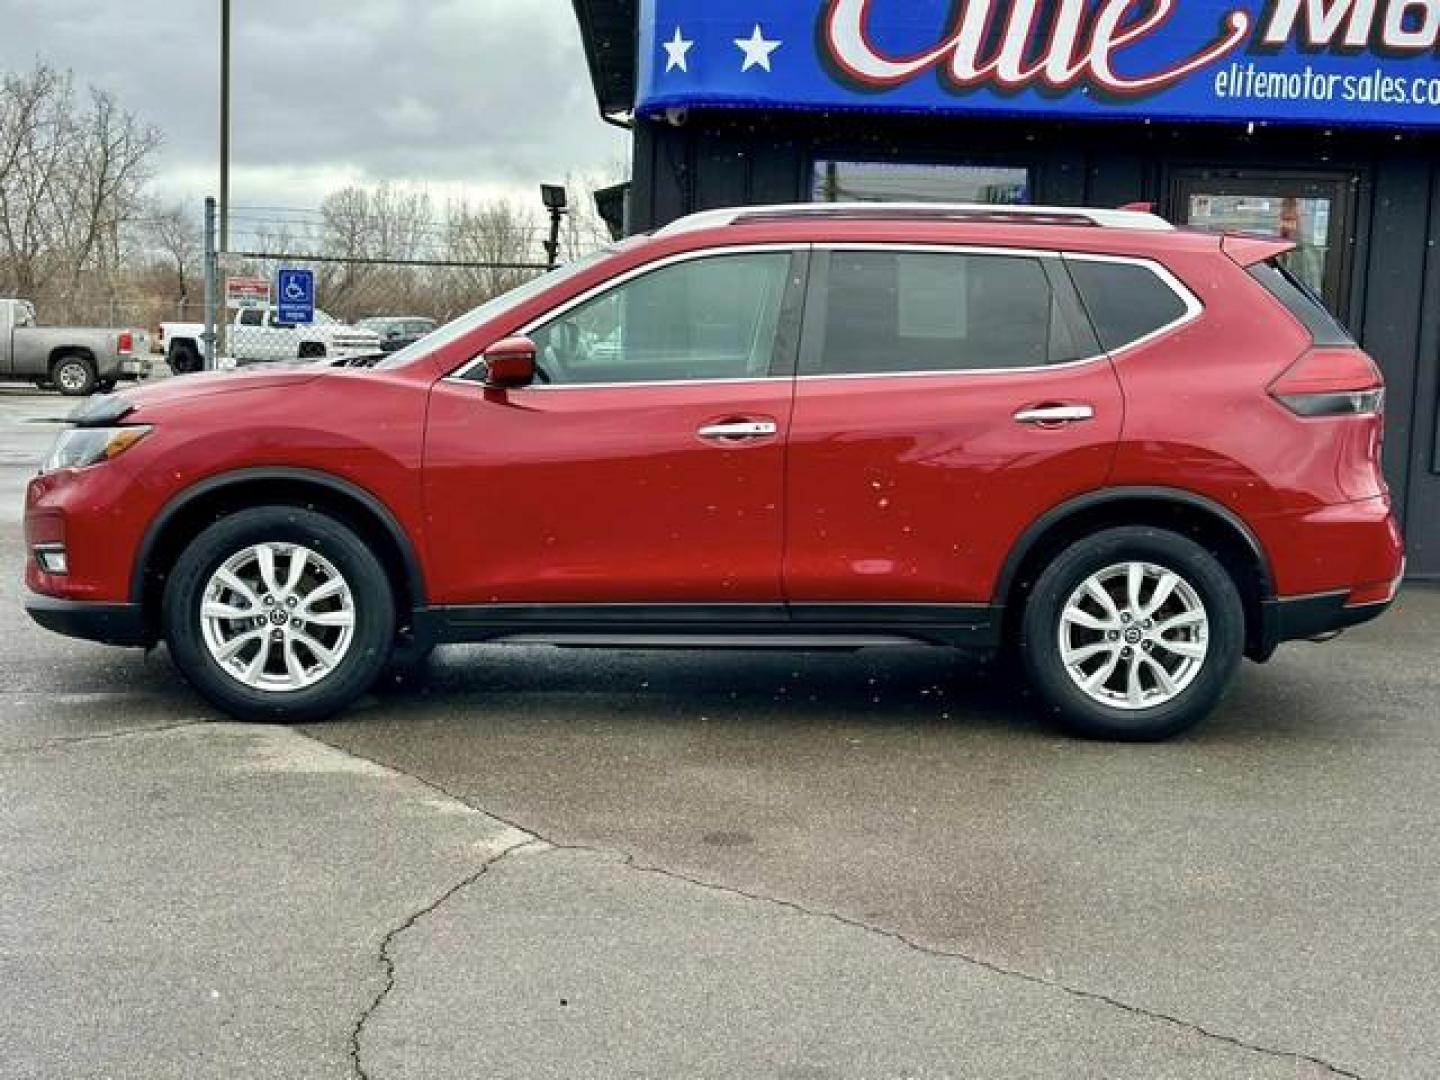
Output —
<point x="740" y="429"/>
<point x="1044" y="415"/>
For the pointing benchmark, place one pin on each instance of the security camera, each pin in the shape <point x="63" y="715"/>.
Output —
<point x="677" y="117"/>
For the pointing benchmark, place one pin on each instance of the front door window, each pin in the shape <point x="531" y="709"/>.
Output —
<point x="708" y="318"/>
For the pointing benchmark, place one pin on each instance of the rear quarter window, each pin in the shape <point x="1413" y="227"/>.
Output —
<point x="1297" y="298"/>
<point x="1126" y="301"/>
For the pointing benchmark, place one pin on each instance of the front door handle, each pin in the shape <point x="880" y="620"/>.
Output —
<point x="1055" y="415"/>
<point x="738" y="430"/>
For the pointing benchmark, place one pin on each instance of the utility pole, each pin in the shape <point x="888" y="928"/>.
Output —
<point x="224" y="125"/>
<point x="212" y="289"/>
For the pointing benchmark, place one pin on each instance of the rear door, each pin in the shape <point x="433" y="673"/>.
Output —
<point x="947" y="399"/>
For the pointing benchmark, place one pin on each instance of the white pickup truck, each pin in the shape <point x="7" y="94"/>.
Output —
<point x="75" y="361"/>
<point x="257" y="335"/>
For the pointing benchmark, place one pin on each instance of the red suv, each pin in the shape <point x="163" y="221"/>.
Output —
<point x="1130" y="454"/>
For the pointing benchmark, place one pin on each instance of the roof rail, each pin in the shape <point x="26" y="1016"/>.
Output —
<point x="874" y="211"/>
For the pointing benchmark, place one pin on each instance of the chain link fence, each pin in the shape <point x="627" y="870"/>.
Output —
<point x="387" y="271"/>
<point x="362" y="306"/>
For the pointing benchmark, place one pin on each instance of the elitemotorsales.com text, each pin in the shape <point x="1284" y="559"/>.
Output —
<point x="1246" y="81"/>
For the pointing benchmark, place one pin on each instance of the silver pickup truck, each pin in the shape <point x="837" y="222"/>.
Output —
<point x="76" y="362"/>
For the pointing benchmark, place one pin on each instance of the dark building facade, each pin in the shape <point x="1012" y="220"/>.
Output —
<point x="1316" y="120"/>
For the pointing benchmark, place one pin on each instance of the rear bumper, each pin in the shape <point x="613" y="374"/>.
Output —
<point x="109" y="624"/>
<point x="1310" y="618"/>
<point x="133" y="368"/>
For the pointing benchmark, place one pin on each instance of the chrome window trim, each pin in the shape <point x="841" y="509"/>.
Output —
<point x="595" y="292"/>
<point x="1194" y="308"/>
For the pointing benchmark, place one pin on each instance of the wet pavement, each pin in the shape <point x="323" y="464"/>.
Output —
<point x="628" y="864"/>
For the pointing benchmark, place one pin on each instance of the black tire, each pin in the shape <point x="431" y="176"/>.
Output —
<point x="374" y="621"/>
<point x="185" y="359"/>
<point x="74" y="375"/>
<point x="1063" y="697"/>
<point x="312" y="350"/>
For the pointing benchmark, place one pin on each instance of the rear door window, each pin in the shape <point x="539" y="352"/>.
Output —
<point x="1127" y="302"/>
<point x="898" y="312"/>
<point x="1301" y="302"/>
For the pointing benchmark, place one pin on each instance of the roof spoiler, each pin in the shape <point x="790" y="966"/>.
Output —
<point x="1248" y="250"/>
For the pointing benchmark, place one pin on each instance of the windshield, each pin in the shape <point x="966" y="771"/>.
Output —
<point x="492" y="309"/>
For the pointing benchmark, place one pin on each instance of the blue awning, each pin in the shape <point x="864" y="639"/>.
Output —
<point x="1334" y="62"/>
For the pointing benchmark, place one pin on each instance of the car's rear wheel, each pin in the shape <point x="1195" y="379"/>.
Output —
<point x="1133" y="633"/>
<point x="74" y="375"/>
<point x="279" y="614"/>
<point x="184" y="358"/>
<point x="312" y="350"/>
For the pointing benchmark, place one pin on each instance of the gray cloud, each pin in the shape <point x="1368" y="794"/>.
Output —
<point x="479" y="95"/>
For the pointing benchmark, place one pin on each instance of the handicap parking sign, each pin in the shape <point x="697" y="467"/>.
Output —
<point x="295" y="297"/>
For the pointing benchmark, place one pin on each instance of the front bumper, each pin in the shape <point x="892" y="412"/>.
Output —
<point x="109" y="624"/>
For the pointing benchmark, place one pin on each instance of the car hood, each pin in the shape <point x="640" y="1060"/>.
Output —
<point x="105" y="409"/>
<point x="186" y="388"/>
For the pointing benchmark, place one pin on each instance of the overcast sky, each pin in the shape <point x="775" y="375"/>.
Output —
<point x="474" y="96"/>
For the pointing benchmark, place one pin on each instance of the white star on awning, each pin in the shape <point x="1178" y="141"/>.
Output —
<point x="757" y="49"/>
<point x="677" y="52"/>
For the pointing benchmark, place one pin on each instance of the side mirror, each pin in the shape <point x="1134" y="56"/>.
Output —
<point x="510" y="364"/>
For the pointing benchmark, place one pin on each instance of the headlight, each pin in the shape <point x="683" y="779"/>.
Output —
<point x="79" y="447"/>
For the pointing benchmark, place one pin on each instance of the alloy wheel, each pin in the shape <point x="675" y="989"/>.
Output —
<point x="1134" y="636"/>
<point x="277" y="617"/>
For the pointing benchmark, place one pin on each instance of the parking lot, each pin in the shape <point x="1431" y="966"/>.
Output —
<point x="572" y="864"/>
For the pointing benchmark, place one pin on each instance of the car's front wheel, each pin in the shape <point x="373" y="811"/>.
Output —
<point x="1133" y="633"/>
<point x="279" y="614"/>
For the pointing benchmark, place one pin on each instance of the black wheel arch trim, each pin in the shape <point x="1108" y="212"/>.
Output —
<point x="1180" y="497"/>
<point x="414" y="576"/>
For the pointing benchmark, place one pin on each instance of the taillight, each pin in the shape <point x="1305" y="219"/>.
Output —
<point x="1331" y="382"/>
<point x="126" y="344"/>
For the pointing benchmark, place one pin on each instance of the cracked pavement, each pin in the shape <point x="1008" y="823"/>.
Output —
<point x="633" y="865"/>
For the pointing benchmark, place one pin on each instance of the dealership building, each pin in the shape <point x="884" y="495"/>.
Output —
<point x="1315" y="120"/>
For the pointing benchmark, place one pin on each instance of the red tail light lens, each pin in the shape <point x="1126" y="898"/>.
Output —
<point x="1331" y="382"/>
<point x="126" y="344"/>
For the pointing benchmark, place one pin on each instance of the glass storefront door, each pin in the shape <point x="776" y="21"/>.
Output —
<point x="1315" y="210"/>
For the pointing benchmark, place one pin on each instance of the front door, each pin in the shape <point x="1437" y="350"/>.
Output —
<point x="646" y="467"/>
<point x="947" y="400"/>
<point x="1315" y="210"/>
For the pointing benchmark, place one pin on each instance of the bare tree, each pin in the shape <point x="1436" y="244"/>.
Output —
<point x="72" y="177"/>
<point x="368" y="229"/>
<point x="176" y="238"/>
<point x="585" y="230"/>
<point x="497" y="235"/>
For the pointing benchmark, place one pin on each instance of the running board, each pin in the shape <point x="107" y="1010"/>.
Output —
<point x="714" y="641"/>
<point x="715" y="626"/>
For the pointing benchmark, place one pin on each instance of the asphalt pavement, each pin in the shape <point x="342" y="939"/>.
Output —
<point x="625" y="864"/>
